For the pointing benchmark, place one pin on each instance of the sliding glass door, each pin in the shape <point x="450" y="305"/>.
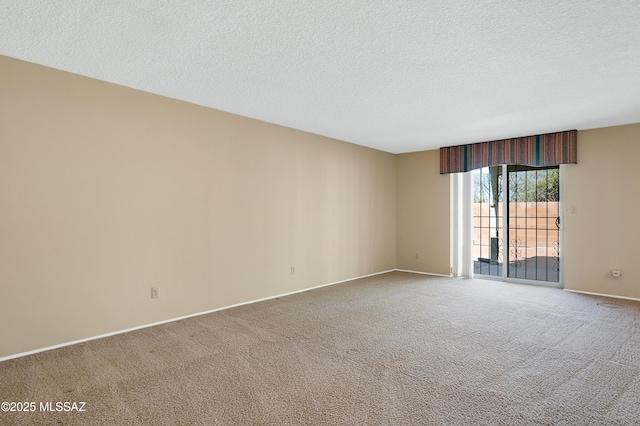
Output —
<point x="526" y="246"/>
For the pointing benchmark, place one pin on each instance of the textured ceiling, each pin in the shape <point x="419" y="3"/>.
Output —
<point x="398" y="76"/>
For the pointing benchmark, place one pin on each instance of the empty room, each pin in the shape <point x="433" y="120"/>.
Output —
<point x="323" y="213"/>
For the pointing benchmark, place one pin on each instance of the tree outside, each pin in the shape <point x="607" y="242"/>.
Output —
<point x="526" y="184"/>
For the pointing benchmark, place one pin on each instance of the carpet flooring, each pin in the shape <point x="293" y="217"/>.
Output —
<point x="393" y="349"/>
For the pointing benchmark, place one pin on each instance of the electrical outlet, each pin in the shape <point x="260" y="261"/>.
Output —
<point x="417" y="256"/>
<point x="154" y="292"/>
<point x="293" y="270"/>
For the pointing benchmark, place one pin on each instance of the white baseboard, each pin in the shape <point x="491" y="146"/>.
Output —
<point x="635" y="299"/>
<point x="74" y="342"/>
<point x="423" y="273"/>
<point x="88" y="339"/>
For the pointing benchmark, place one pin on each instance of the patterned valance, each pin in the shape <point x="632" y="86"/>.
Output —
<point x="540" y="150"/>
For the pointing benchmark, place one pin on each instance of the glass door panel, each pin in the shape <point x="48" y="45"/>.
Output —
<point x="534" y="223"/>
<point x="488" y="224"/>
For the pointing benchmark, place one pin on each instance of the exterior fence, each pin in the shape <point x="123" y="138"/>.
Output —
<point x="533" y="230"/>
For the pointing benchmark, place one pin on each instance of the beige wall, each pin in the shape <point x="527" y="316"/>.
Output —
<point x="604" y="232"/>
<point x="106" y="191"/>
<point x="423" y="213"/>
